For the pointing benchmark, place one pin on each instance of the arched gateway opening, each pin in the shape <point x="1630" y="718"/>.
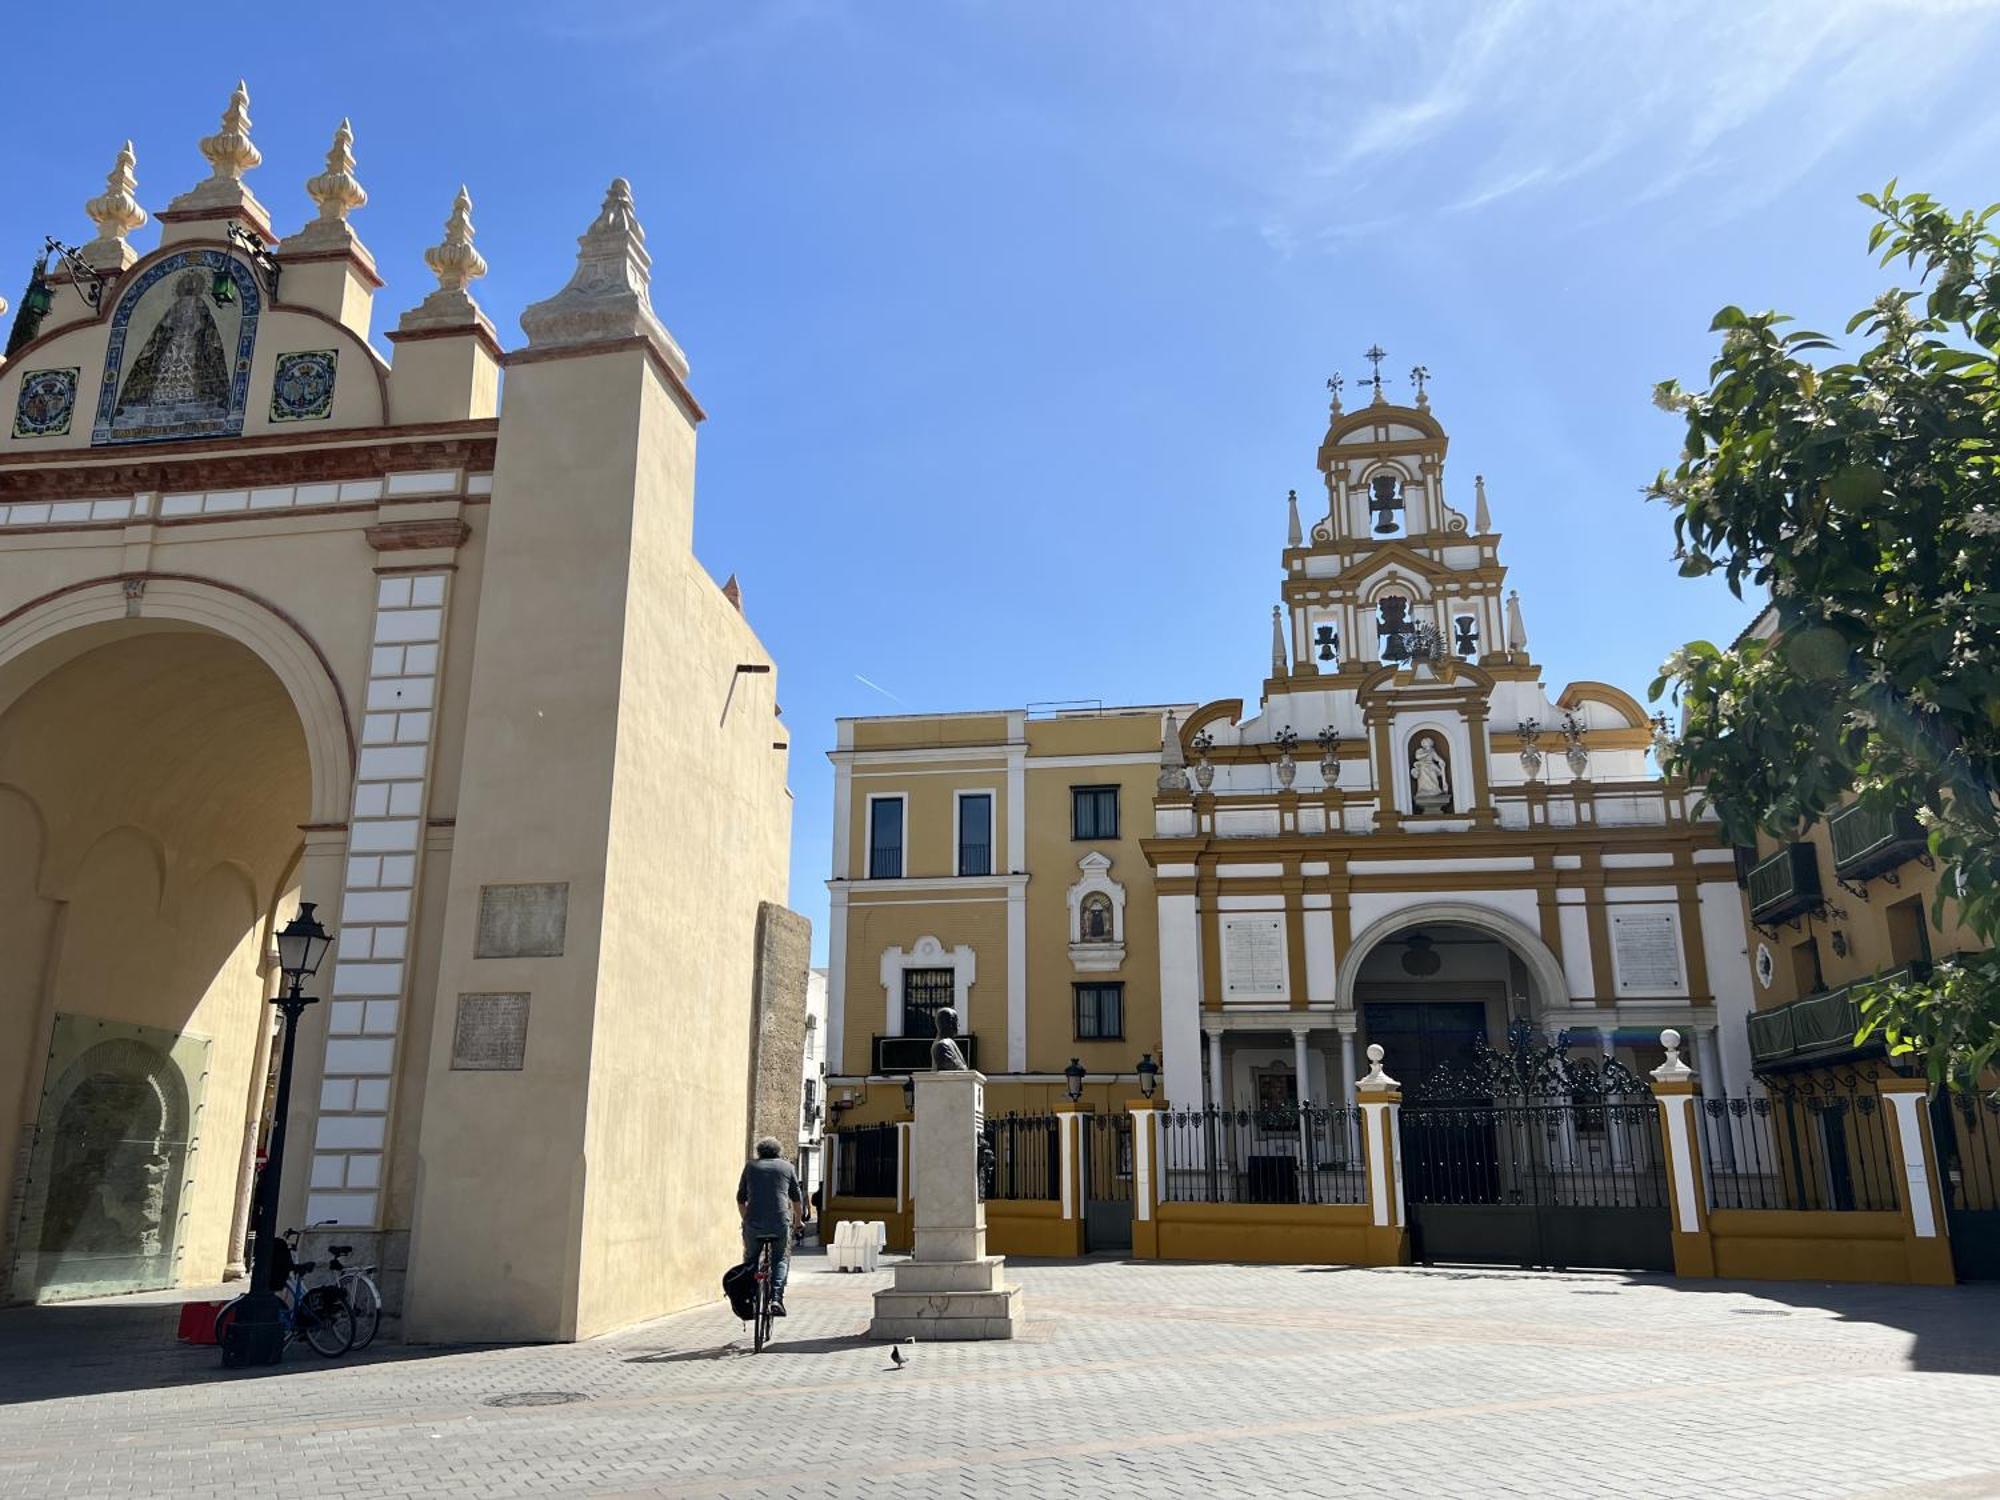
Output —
<point x="1525" y="1139"/>
<point x="154" y="777"/>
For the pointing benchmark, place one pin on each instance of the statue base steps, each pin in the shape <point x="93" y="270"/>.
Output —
<point x="948" y="1300"/>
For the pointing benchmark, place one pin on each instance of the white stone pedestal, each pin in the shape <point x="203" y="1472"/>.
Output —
<point x="950" y="1288"/>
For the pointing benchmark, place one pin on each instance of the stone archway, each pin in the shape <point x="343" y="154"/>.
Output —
<point x="157" y="775"/>
<point x="1544" y="968"/>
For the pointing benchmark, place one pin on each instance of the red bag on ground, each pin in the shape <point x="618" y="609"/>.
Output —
<point x="198" y="1321"/>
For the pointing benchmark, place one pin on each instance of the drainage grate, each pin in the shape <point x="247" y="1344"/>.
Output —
<point x="537" y="1398"/>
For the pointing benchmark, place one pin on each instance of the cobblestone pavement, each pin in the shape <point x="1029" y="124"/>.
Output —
<point x="1165" y="1379"/>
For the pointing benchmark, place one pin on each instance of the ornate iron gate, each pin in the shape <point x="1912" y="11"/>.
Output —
<point x="1966" y="1127"/>
<point x="1107" y="1181"/>
<point x="1531" y="1157"/>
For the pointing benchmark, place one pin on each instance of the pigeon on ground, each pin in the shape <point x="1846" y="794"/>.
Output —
<point x="896" y="1358"/>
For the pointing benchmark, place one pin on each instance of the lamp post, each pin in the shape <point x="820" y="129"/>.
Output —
<point x="1073" y="1077"/>
<point x="1149" y="1076"/>
<point x="910" y="1093"/>
<point x="256" y="1334"/>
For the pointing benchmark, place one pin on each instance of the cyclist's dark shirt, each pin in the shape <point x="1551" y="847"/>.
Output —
<point x="770" y="1187"/>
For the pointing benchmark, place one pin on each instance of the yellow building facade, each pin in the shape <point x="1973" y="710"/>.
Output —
<point x="1407" y="839"/>
<point x="282" y="620"/>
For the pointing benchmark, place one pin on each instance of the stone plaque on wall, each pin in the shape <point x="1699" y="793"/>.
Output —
<point x="522" y="921"/>
<point x="491" y="1034"/>
<point x="1646" y="946"/>
<point x="1253" y="956"/>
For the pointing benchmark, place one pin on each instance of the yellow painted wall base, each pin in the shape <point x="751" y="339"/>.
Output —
<point x="1266" y="1233"/>
<point x="1776" y="1245"/>
<point x="1029" y="1227"/>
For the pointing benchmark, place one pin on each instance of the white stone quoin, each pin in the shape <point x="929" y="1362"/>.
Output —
<point x="950" y="1288"/>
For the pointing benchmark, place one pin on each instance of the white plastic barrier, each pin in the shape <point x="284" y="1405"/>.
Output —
<point x="858" y="1244"/>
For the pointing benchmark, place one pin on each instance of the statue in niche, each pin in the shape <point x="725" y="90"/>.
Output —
<point x="1094" y="918"/>
<point x="182" y="374"/>
<point x="945" y="1054"/>
<point x="1430" y="778"/>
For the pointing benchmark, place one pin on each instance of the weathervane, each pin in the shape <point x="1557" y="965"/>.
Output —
<point x="1418" y="375"/>
<point x="1375" y="355"/>
<point x="1334" y="383"/>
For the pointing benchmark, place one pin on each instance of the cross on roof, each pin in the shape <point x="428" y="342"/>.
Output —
<point x="1375" y="355"/>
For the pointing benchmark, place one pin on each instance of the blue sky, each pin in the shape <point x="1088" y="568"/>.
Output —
<point x="1013" y="319"/>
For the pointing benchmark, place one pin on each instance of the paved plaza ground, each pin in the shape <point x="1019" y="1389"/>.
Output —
<point x="1161" y="1379"/>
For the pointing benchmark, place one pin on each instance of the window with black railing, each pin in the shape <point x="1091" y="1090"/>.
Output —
<point x="885" y="838"/>
<point x="868" y="1161"/>
<point x="1100" y="1012"/>
<point x="1296" y="1154"/>
<point x="1807" y="1142"/>
<point x="925" y="993"/>
<point x="1025" y="1160"/>
<point x="975" y="834"/>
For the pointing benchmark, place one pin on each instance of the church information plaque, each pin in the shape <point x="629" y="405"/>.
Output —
<point x="522" y="921"/>
<point x="1647" y="947"/>
<point x="491" y="1034"/>
<point x="1253" y="955"/>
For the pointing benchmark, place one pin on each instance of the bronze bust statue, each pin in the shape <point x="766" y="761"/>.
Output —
<point x="945" y="1054"/>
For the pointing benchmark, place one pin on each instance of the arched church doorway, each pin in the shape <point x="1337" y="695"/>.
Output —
<point x="154" y="777"/>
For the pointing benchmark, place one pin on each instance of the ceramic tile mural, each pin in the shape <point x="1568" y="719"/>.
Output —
<point x="48" y="400"/>
<point x="178" y="364"/>
<point x="302" y="388"/>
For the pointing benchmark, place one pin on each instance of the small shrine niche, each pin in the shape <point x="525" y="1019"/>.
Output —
<point x="1430" y="773"/>
<point x="1096" y="917"/>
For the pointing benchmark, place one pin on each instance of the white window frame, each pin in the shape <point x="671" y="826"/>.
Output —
<point x="928" y="953"/>
<point x="992" y="797"/>
<point x="868" y="835"/>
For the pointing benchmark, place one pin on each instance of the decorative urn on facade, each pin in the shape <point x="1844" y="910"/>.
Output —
<point x="1286" y="740"/>
<point x="1329" y="756"/>
<point x="1204" y="769"/>
<point x="1574" y="751"/>
<point x="1530" y="731"/>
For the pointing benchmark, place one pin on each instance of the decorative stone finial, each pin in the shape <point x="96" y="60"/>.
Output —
<point x="231" y="154"/>
<point x="456" y="265"/>
<point x="335" y="190"/>
<point x="116" y="213"/>
<point x="1673" y="1070"/>
<point x="1173" y="760"/>
<point x="1277" y="640"/>
<point x="1517" y="631"/>
<point x="1375" y="1078"/>
<point x="1482" y="518"/>
<point x="1293" y="533"/>
<point x="609" y="296"/>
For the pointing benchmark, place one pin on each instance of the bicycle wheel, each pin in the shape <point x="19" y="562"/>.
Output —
<point x="365" y="1303"/>
<point x="327" y="1322"/>
<point x="763" y="1323"/>
<point x="225" y="1315"/>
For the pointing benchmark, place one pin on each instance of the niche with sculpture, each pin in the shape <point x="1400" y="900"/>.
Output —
<point x="1096" y="917"/>
<point x="1430" y="773"/>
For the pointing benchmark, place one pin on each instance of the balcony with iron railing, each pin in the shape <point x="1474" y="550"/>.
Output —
<point x="1871" y="841"/>
<point x="912" y="1054"/>
<point x="1784" y="886"/>
<point x="1817" y="1029"/>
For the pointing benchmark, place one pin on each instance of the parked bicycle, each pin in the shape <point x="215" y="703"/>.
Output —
<point x="319" y="1315"/>
<point x="357" y="1284"/>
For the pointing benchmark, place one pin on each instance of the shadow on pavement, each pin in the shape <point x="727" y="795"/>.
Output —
<point x="63" y="1349"/>
<point x="779" y="1345"/>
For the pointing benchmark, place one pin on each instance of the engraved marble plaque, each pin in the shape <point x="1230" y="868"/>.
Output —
<point x="1647" y="948"/>
<point x="1253" y="956"/>
<point x="491" y="1034"/>
<point x="522" y="921"/>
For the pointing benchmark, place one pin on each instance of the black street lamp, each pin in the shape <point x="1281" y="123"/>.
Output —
<point x="256" y="1334"/>
<point x="1149" y="1076"/>
<point x="1073" y="1076"/>
<point x="910" y="1093"/>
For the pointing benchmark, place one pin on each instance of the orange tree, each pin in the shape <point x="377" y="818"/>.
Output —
<point x="1861" y="488"/>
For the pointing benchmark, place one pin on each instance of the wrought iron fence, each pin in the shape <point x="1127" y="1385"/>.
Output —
<point x="1809" y="1141"/>
<point x="1971" y="1151"/>
<point x="1602" y="1152"/>
<point x="1305" y="1154"/>
<point x="1023" y="1158"/>
<point x="867" y="1161"/>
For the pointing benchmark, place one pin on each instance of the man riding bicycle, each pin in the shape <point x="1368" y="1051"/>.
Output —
<point x="769" y="1201"/>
